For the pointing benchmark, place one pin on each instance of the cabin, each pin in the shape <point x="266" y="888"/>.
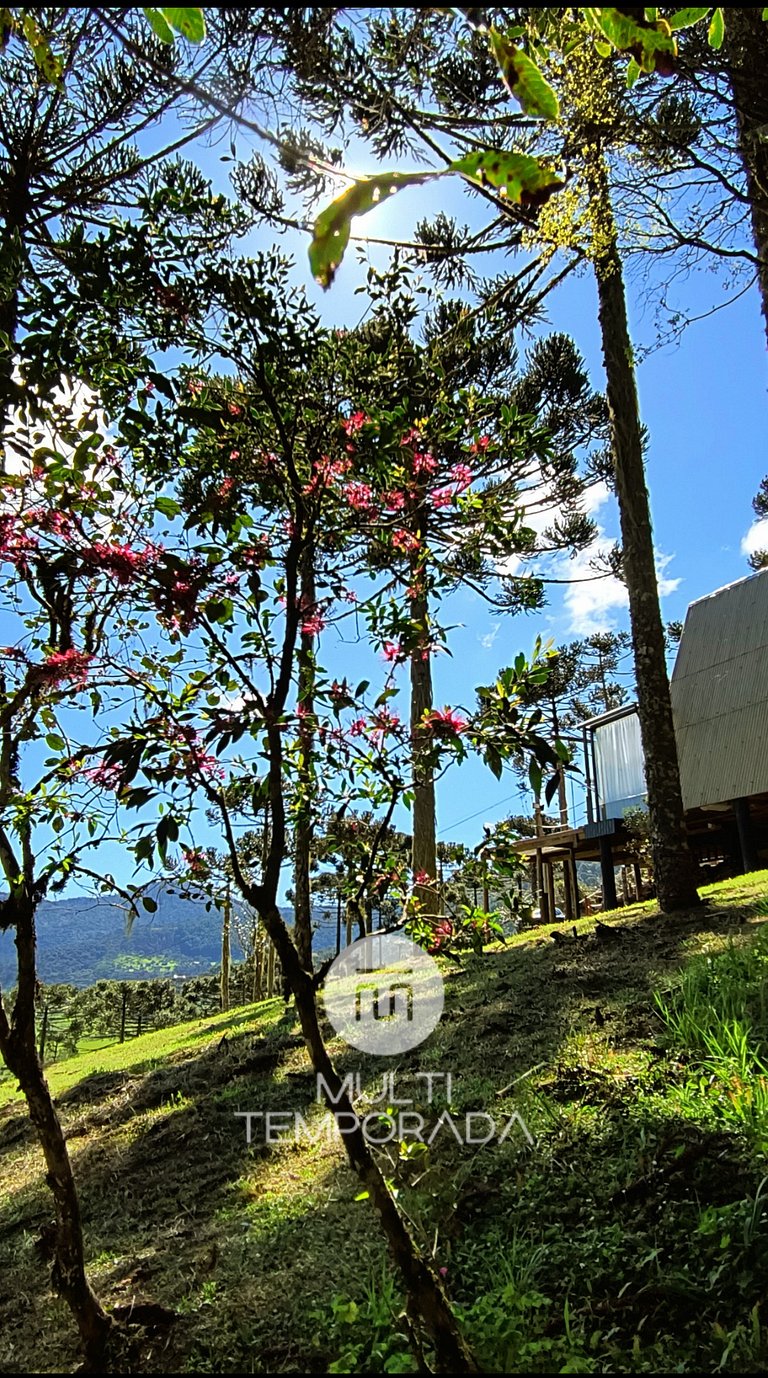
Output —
<point x="719" y="691"/>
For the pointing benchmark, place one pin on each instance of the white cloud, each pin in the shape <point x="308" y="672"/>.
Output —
<point x="594" y="604"/>
<point x="756" y="538"/>
<point x="595" y="497"/>
<point x="487" y="641"/>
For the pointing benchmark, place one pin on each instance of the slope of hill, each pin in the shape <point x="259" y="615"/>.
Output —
<point x="628" y="1233"/>
<point x="86" y="939"/>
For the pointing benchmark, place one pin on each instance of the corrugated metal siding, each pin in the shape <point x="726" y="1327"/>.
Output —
<point x="720" y="694"/>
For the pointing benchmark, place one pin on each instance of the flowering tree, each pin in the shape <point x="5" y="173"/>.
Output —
<point x="459" y="459"/>
<point x="267" y="470"/>
<point x="69" y="518"/>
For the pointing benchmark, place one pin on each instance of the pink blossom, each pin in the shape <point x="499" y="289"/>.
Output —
<point x="404" y="540"/>
<point x="355" y="422"/>
<point x="313" y="625"/>
<point x="15" y="545"/>
<point x="195" y="386"/>
<point x="225" y="487"/>
<point x="385" y="723"/>
<point x="58" y="523"/>
<point x="393" y="651"/>
<point x="62" y="665"/>
<point x="442" y="933"/>
<point x="234" y="409"/>
<point x="357" y="727"/>
<point x="149" y="387"/>
<point x="121" y="561"/>
<point x="196" y="862"/>
<point x="422" y="878"/>
<point x="360" y="496"/>
<point x="481" y="444"/>
<point x="326" y="471"/>
<point x="105" y="776"/>
<point x="394" y="501"/>
<point x="257" y="554"/>
<point x="444" y="723"/>
<point x="424" y="464"/>
<point x="462" y="476"/>
<point x="442" y="497"/>
<point x="204" y="763"/>
<point x="411" y="437"/>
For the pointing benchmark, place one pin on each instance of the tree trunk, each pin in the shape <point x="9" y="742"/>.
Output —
<point x="561" y="789"/>
<point x="17" y="1045"/>
<point x="302" y="885"/>
<point x="424" y="844"/>
<point x="674" y="866"/>
<point x="225" y="953"/>
<point x="427" y="1303"/>
<point x="747" y="54"/>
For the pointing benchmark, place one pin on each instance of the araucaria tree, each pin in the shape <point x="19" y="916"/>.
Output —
<point x="579" y="121"/>
<point x="268" y="469"/>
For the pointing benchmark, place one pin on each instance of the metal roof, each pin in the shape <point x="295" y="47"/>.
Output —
<point x="720" y="694"/>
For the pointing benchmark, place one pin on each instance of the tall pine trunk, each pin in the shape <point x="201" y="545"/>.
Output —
<point x="674" y="867"/>
<point x="747" y="57"/>
<point x="225" y="951"/>
<point x="424" y="844"/>
<point x="19" y="1051"/>
<point x="302" y="884"/>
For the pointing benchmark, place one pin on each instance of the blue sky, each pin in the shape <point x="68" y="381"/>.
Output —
<point x="704" y="403"/>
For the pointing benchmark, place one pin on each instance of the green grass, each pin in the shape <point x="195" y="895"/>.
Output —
<point x="148" y="1050"/>
<point x="632" y="1236"/>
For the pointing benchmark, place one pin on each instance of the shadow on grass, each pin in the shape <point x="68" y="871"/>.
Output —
<point x="247" y="1241"/>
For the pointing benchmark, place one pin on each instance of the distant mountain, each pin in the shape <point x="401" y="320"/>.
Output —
<point x="82" y="940"/>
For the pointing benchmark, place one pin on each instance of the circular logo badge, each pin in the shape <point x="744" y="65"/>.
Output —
<point x="384" y="994"/>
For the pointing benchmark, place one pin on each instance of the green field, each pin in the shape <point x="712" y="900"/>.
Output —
<point x="631" y="1236"/>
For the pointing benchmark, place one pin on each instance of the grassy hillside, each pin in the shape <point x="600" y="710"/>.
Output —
<point x="630" y="1236"/>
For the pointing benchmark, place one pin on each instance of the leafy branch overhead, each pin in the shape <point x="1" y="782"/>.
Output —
<point x="522" y="179"/>
<point x="190" y="23"/>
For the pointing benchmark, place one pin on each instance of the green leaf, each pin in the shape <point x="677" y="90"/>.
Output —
<point x="520" y="177"/>
<point x="333" y="225"/>
<point x="685" y="19"/>
<point x="158" y="25"/>
<point x="48" y="64"/>
<point x="362" y="1196"/>
<point x="190" y="23"/>
<point x="55" y="742"/>
<point x="651" y="46"/>
<point x="764" y="15"/>
<point x="149" y="904"/>
<point x="633" y="72"/>
<point x="716" y="30"/>
<point x="534" y="775"/>
<point x="523" y="79"/>
<point x="168" y="506"/>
